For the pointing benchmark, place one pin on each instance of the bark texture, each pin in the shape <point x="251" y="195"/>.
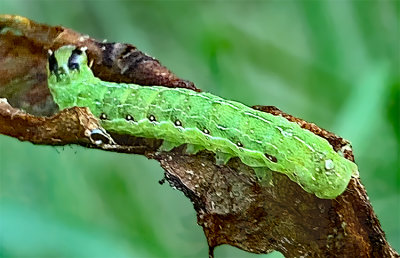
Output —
<point x="231" y="205"/>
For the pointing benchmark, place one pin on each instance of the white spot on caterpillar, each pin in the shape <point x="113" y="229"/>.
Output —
<point x="329" y="164"/>
<point x="178" y="123"/>
<point x="103" y="116"/>
<point x="152" y="118"/>
<point x="129" y="118"/>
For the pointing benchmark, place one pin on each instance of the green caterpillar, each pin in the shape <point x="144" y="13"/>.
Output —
<point x="203" y="121"/>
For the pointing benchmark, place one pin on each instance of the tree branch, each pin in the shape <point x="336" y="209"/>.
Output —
<point x="232" y="207"/>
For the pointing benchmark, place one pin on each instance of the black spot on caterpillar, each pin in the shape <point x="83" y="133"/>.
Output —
<point x="73" y="60"/>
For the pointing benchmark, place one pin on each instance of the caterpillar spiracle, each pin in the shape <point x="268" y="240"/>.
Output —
<point x="202" y="120"/>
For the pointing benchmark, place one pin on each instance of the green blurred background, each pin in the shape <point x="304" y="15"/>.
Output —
<point x="335" y="63"/>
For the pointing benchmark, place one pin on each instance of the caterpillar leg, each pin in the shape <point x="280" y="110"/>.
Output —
<point x="193" y="148"/>
<point x="264" y="175"/>
<point x="222" y="158"/>
<point x="168" y="146"/>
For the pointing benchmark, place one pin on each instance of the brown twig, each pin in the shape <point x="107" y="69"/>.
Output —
<point x="232" y="207"/>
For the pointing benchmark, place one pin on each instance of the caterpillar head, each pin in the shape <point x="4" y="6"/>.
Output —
<point x="66" y="62"/>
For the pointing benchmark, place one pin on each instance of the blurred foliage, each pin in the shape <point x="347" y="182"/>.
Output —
<point x="335" y="63"/>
